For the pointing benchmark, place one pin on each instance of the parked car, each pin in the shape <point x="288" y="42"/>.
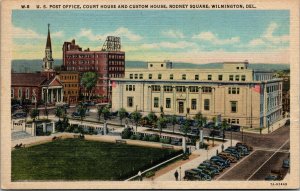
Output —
<point x="19" y="115"/>
<point x="271" y="177"/>
<point x="195" y="131"/>
<point x="75" y="115"/>
<point x="216" y="133"/>
<point x="218" y="158"/>
<point x="221" y="163"/>
<point x="245" y="145"/>
<point x="209" y="125"/>
<point x="227" y="156"/>
<point x="286" y="163"/>
<point x="234" y="154"/>
<point x="191" y="175"/>
<point x="243" y="150"/>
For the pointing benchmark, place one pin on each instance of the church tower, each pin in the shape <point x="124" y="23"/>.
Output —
<point x="48" y="60"/>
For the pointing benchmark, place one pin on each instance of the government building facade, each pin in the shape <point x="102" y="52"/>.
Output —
<point x="236" y="92"/>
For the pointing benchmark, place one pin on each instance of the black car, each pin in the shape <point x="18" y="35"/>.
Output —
<point x="75" y="115"/>
<point x="216" y="133"/>
<point x="19" y="115"/>
<point x="195" y="131"/>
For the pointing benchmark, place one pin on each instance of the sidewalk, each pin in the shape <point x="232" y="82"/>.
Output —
<point x="272" y="127"/>
<point x="203" y="155"/>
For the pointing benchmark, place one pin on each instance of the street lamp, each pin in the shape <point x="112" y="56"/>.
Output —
<point x="231" y="134"/>
<point x="242" y="134"/>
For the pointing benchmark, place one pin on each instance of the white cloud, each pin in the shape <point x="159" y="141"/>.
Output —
<point x="268" y="39"/>
<point x="214" y="39"/>
<point x="122" y="32"/>
<point x="256" y="42"/>
<point x="21" y="33"/>
<point x="173" y="34"/>
<point x="268" y="35"/>
<point x="170" y="45"/>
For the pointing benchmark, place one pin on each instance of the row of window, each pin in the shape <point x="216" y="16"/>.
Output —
<point x="70" y="85"/>
<point x="116" y="68"/>
<point x="68" y="77"/>
<point x="157" y="88"/>
<point x="70" y="92"/>
<point x="20" y="93"/>
<point x="206" y="104"/>
<point x="130" y="87"/>
<point x="233" y="90"/>
<point x="273" y="88"/>
<point x="118" y="63"/>
<point x="92" y="56"/>
<point x="184" y="77"/>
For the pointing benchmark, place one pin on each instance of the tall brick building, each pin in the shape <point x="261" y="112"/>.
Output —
<point x="108" y="63"/>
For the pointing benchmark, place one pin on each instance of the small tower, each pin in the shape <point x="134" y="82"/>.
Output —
<point x="48" y="60"/>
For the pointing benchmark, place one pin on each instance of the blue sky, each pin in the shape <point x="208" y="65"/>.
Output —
<point x="181" y="35"/>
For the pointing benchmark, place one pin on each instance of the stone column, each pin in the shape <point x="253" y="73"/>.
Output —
<point x="47" y="96"/>
<point x="56" y="95"/>
<point x="184" y="144"/>
<point x="61" y="94"/>
<point x="105" y="128"/>
<point x="53" y="127"/>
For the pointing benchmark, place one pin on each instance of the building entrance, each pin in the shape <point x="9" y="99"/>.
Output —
<point x="181" y="107"/>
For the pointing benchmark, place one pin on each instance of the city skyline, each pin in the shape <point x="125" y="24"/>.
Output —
<point x="181" y="36"/>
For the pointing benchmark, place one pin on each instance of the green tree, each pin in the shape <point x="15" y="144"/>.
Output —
<point x="173" y="120"/>
<point x="136" y="117"/>
<point x="225" y="125"/>
<point x="186" y="127"/>
<point x="122" y="114"/>
<point x="105" y="113"/>
<point x="161" y="123"/>
<point x="81" y="112"/>
<point x="34" y="114"/>
<point x="89" y="81"/>
<point x="152" y="118"/>
<point x="58" y="112"/>
<point x="99" y="112"/>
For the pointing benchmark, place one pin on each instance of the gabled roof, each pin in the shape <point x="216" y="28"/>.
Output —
<point x="54" y="81"/>
<point x="27" y="79"/>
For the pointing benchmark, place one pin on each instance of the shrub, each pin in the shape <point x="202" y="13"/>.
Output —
<point x="126" y="133"/>
<point x="154" y="138"/>
<point x="133" y="137"/>
<point x="149" y="174"/>
<point x="139" y="136"/>
<point x="166" y="141"/>
<point x="146" y="138"/>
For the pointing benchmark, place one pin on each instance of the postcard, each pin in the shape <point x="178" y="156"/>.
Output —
<point x="150" y="94"/>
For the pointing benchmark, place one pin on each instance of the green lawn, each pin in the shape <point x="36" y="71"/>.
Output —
<point x="75" y="159"/>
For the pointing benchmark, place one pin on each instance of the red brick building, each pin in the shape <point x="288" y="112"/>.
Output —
<point x="108" y="64"/>
<point x="40" y="87"/>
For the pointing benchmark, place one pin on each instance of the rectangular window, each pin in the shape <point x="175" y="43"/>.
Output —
<point x="171" y="76"/>
<point x="193" y="89"/>
<point x="233" y="106"/>
<point x="206" y="104"/>
<point x="233" y="90"/>
<point x="209" y="77"/>
<point x="150" y="76"/>
<point x="159" y="76"/>
<point x="155" y="88"/>
<point x="168" y="102"/>
<point x="196" y="77"/>
<point x="237" y="78"/>
<point x="131" y="76"/>
<point x="183" y="76"/>
<point x="168" y="88"/>
<point x="129" y="101"/>
<point x="141" y="76"/>
<point x="220" y="77"/>
<point x="135" y="76"/>
<point x="206" y="89"/>
<point x="243" y="78"/>
<point x="194" y="104"/>
<point x="12" y="93"/>
<point x="230" y="77"/>
<point x="180" y="88"/>
<point x="156" y="100"/>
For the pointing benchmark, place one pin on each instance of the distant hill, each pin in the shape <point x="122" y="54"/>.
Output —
<point x="36" y="65"/>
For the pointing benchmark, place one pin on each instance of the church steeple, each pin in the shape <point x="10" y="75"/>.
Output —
<point x="48" y="44"/>
<point x="48" y="60"/>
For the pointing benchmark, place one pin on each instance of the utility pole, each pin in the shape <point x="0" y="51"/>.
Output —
<point x="231" y="135"/>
